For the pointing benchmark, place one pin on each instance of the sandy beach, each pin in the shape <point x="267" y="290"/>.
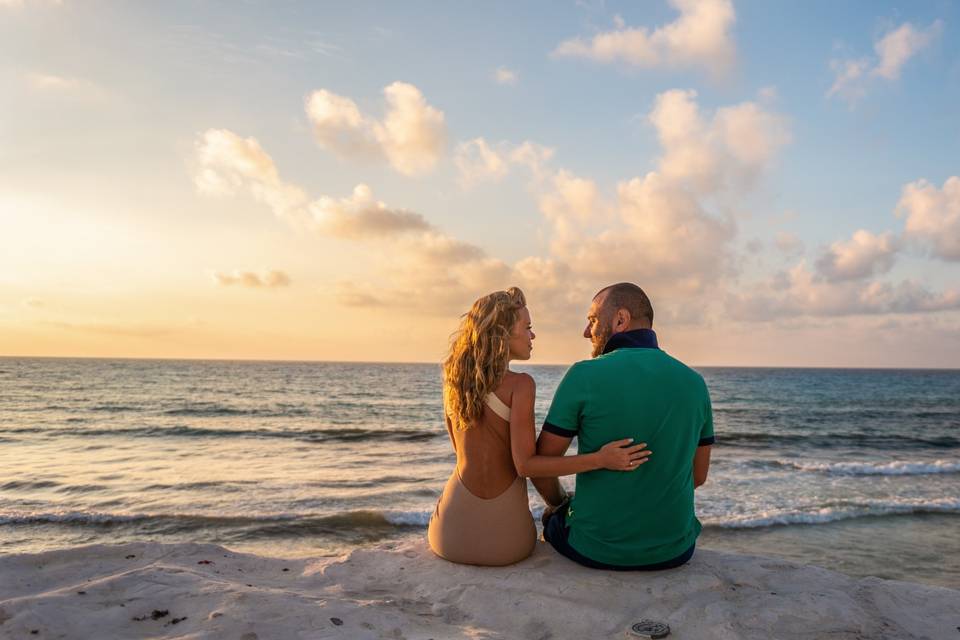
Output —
<point x="152" y="590"/>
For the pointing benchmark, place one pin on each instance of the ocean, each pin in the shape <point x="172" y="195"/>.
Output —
<point x="854" y="470"/>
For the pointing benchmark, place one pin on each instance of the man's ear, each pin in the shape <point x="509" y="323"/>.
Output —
<point x="623" y="320"/>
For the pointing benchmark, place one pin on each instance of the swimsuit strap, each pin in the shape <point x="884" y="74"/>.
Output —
<point x="498" y="407"/>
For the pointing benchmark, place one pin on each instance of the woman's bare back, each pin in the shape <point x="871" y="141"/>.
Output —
<point x="484" y="457"/>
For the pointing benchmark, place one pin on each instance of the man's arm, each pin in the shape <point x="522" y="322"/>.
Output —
<point x="550" y="444"/>
<point x="701" y="465"/>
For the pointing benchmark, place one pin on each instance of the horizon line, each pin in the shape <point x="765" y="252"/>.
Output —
<point x="424" y="362"/>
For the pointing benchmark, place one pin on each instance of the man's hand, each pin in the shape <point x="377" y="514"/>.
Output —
<point x="549" y="510"/>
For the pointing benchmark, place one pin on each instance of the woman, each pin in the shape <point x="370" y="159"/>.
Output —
<point x="483" y="516"/>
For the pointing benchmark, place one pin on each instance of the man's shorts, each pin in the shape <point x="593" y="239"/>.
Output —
<point x="556" y="532"/>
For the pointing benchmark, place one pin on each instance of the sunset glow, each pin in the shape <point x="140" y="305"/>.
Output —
<point x="302" y="181"/>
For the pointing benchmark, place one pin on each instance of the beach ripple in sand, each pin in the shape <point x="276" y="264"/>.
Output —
<point x="153" y="590"/>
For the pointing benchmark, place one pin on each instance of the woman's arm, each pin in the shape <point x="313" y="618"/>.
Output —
<point x="617" y="456"/>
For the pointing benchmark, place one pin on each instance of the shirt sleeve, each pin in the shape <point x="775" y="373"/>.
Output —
<point x="566" y="409"/>
<point x="706" y="431"/>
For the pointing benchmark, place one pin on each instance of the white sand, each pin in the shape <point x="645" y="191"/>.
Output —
<point x="406" y="592"/>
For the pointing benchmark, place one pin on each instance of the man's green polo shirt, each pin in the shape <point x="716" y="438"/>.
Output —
<point x="634" y="390"/>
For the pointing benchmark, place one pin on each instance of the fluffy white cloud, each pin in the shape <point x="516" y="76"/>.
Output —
<point x="227" y="162"/>
<point x="659" y="230"/>
<point x="271" y="279"/>
<point x="734" y="146"/>
<point x="863" y="255"/>
<point x="699" y="37"/>
<point x="421" y="266"/>
<point x="933" y="216"/>
<point x="893" y="50"/>
<point x="506" y="76"/>
<point x="479" y="161"/>
<point x="412" y="135"/>
<point x="673" y="235"/>
<point x="361" y="215"/>
<point x="655" y="233"/>
<point x="800" y="293"/>
<point x="571" y="205"/>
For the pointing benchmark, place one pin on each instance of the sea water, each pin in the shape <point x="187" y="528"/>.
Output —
<point x="856" y="470"/>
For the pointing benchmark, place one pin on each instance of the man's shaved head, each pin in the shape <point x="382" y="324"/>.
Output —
<point x="628" y="296"/>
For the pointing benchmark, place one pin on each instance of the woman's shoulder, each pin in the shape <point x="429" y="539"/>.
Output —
<point x="518" y="381"/>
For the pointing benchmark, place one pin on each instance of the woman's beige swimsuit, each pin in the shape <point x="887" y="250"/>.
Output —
<point x="468" y="529"/>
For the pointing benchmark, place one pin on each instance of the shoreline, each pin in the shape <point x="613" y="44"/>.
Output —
<point x="908" y="547"/>
<point x="156" y="590"/>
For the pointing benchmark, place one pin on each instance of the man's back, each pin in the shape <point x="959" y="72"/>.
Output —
<point x="644" y="516"/>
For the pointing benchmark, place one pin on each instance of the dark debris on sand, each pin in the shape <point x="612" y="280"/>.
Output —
<point x="156" y="614"/>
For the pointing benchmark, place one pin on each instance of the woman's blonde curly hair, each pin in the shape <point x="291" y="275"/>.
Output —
<point x="479" y="352"/>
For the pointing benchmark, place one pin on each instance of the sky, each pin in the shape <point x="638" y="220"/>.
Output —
<point x="339" y="181"/>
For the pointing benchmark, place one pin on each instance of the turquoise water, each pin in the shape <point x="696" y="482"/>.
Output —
<point x="853" y="469"/>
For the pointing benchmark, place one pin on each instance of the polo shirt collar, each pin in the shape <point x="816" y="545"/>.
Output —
<point x="636" y="339"/>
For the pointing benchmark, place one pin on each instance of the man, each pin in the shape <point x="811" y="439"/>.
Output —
<point x="642" y="519"/>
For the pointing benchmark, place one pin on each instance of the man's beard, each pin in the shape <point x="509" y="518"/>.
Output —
<point x="599" y="339"/>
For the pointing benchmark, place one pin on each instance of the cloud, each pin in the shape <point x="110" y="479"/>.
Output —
<point x="894" y="49"/>
<point x="863" y="256"/>
<point x="227" y="163"/>
<point x="352" y="294"/>
<point x="421" y="267"/>
<point x="34" y="303"/>
<point x="788" y="243"/>
<point x="478" y="161"/>
<point x="506" y="76"/>
<point x="734" y="146"/>
<point x="654" y="232"/>
<point x="933" y="216"/>
<point x="360" y="215"/>
<point x="411" y="137"/>
<point x="49" y="82"/>
<point x="659" y="230"/>
<point x="672" y="233"/>
<point x="52" y="84"/>
<point x="901" y="44"/>
<point x="429" y="274"/>
<point x="572" y="205"/>
<point x="848" y="80"/>
<point x="800" y="293"/>
<point x="699" y="37"/>
<point x="271" y="279"/>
